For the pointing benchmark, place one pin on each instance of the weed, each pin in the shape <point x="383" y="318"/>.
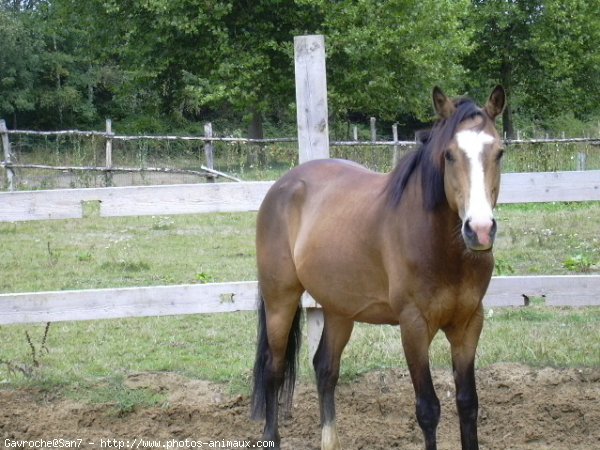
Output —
<point x="162" y="223"/>
<point x="52" y="255"/>
<point x="503" y="267"/>
<point x="91" y="208"/>
<point x="578" y="263"/>
<point x="8" y="228"/>
<point x="84" y="256"/>
<point x="124" y="400"/>
<point x="27" y="369"/>
<point x="203" y="278"/>
<point x="125" y="266"/>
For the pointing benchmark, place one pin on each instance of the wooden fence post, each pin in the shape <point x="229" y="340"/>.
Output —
<point x="109" y="148"/>
<point x="311" y="97"/>
<point x="209" y="151"/>
<point x="10" y="174"/>
<point x="313" y="130"/>
<point x="396" y="156"/>
<point x="581" y="161"/>
<point x="373" y="129"/>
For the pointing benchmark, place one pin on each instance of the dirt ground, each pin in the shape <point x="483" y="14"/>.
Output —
<point x="520" y="408"/>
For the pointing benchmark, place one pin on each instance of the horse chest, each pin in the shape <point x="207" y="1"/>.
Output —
<point x="441" y="297"/>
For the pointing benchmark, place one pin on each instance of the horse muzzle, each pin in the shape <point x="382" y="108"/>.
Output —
<point x="479" y="234"/>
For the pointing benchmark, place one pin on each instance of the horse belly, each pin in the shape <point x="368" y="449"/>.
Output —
<point x="344" y="286"/>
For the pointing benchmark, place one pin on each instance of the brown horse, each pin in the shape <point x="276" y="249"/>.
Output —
<point x="412" y="247"/>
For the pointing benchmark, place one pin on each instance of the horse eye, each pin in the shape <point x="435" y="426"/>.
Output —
<point x="448" y="156"/>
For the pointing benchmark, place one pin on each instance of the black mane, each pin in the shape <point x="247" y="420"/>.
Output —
<point x="428" y="158"/>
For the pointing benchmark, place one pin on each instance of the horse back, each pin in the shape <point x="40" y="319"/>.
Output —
<point x="321" y="221"/>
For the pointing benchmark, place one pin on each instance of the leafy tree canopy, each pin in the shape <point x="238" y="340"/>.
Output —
<point x="178" y="62"/>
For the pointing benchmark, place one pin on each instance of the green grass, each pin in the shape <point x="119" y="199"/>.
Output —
<point x="549" y="238"/>
<point x="135" y="251"/>
<point x="90" y="360"/>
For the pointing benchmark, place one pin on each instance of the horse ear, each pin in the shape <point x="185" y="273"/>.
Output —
<point x="442" y="104"/>
<point x="496" y="103"/>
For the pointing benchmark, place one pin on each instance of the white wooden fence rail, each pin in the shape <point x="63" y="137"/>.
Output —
<point x="93" y="304"/>
<point x="247" y="196"/>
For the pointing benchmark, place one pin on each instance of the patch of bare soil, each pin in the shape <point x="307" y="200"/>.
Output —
<point x="520" y="408"/>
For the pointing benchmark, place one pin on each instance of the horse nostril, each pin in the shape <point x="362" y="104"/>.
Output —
<point x="479" y="233"/>
<point x="469" y="232"/>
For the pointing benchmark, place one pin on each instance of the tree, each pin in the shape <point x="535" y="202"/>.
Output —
<point x="19" y="60"/>
<point x="56" y="70"/>
<point x="566" y="43"/>
<point x="253" y="68"/>
<point x="385" y="56"/>
<point x="544" y="52"/>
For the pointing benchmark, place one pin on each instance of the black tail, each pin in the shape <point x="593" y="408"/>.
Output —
<point x="262" y="357"/>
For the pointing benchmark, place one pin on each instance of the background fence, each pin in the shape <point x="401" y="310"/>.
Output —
<point x="83" y="159"/>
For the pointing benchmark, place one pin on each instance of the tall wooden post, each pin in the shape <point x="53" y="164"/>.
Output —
<point x="209" y="151"/>
<point x="373" y="126"/>
<point x="10" y="174"/>
<point x="311" y="97"/>
<point x="109" y="149"/>
<point x="396" y="156"/>
<point x="313" y="134"/>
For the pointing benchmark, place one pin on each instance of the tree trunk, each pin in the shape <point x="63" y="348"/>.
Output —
<point x="256" y="155"/>
<point x="255" y="129"/>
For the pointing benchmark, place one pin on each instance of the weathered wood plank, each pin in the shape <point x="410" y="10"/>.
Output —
<point x="127" y="302"/>
<point x="185" y="199"/>
<point x="550" y="187"/>
<point x="558" y="290"/>
<point x="247" y="196"/>
<point x="582" y="290"/>
<point x="133" y="200"/>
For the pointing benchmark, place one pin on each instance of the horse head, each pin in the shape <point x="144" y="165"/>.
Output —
<point x="471" y="161"/>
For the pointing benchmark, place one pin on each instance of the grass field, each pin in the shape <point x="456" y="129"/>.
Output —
<point x="90" y="360"/>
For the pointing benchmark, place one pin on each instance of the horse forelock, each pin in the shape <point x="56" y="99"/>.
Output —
<point x="428" y="158"/>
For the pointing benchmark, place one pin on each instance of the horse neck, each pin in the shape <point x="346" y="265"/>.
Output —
<point x="430" y="231"/>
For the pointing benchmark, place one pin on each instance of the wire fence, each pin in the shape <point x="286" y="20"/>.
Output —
<point x="74" y="159"/>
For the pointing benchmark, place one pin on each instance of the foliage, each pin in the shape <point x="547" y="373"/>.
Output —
<point x="544" y="52"/>
<point x="578" y="263"/>
<point x="160" y="65"/>
<point x="384" y="57"/>
<point x="18" y="66"/>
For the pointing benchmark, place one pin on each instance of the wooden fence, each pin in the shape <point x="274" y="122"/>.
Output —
<point x="207" y="169"/>
<point x="246" y="196"/>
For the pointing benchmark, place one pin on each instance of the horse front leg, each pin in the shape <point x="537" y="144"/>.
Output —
<point x="463" y="342"/>
<point x="416" y="338"/>
<point x="336" y="332"/>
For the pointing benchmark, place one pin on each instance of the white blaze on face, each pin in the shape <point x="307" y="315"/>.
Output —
<point x="478" y="208"/>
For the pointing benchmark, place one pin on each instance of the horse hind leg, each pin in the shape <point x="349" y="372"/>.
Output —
<point x="336" y="332"/>
<point x="279" y="336"/>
